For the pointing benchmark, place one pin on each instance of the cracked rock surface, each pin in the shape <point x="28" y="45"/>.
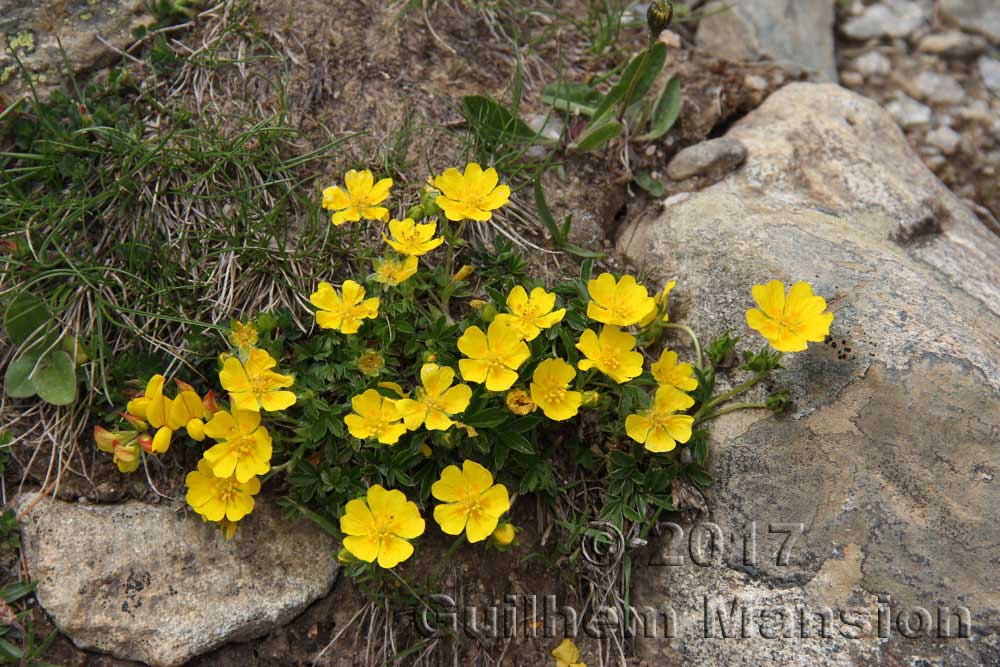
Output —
<point x="889" y="459"/>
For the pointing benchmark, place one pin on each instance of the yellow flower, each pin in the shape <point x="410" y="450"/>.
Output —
<point x="567" y="654"/>
<point x="473" y="195"/>
<point x="371" y="363"/>
<point x="550" y="390"/>
<point x="409" y="238"/>
<point x="394" y="270"/>
<point x="154" y="407"/>
<point x="662" y="306"/>
<point x="667" y="371"/>
<point x="529" y="315"/>
<point x="433" y="403"/>
<point x="519" y="402"/>
<point x="789" y="323"/>
<point x="375" y="416"/>
<point x="343" y="311"/>
<point x="463" y="273"/>
<point x="659" y="428"/>
<point x="394" y="388"/>
<point x="493" y="357"/>
<point x="244" y="448"/>
<point x="380" y="528"/>
<point x="217" y="498"/>
<point x="425" y="450"/>
<point x="243" y="336"/>
<point x="504" y="534"/>
<point x="361" y="200"/>
<point x="620" y="303"/>
<point x="253" y="385"/>
<point x="611" y="353"/>
<point x="126" y="457"/>
<point x="471" y="502"/>
<point x="186" y="411"/>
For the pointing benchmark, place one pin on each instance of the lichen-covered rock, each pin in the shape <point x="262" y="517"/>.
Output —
<point x="885" y="472"/>
<point x="791" y="32"/>
<point x="34" y="30"/>
<point x="154" y="584"/>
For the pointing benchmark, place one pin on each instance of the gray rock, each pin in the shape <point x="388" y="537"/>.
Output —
<point x="790" y="32"/>
<point x="908" y="112"/>
<point x="989" y="70"/>
<point x="851" y="79"/>
<point x="945" y="139"/>
<point x="148" y="583"/>
<point x="935" y="88"/>
<point x="888" y="462"/>
<point x="890" y="18"/>
<point x="715" y="156"/>
<point x="952" y="44"/>
<point x="979" y="16"/>
<point x="25" y="28"/>
<point x="873" y="63"/>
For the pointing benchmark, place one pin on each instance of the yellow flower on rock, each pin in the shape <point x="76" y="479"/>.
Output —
<point x="243" y="336"/>
<point x="252" y="385"/>
<point x="361" y="200"/>
<point x="394" y="270"/>
<point x="660" y="428"/>
<point x="380" y="529"/>
<point x="244" y="449"/>
<point x="343" y="311"/>
<point x="667" y="371"/>
<point x="530" y="314"/>
<point x="218" y="498"/>
<point x="662" y="306"/>
<point x="519" y="402"/>
<point x="473" y="195"/>
<point x="789" y="323"/>
<point x="619" y="303"/>
<point x="471" y="502"/>
<point x="550" y="390"/>
<point x="612" y="353"/>
<point x="375" y="416"/>
<point x="409" y="238"/>
<point x="493" y="357"/>
<point x="567" y="654"/>
<point x="435" y="402"/>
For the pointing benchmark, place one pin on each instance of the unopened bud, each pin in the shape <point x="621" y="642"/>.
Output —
<point x="658" y="16"/>
<point x="462" y="274"/>
<point x="416" y="212"/>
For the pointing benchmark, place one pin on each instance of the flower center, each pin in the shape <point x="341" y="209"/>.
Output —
<point x="228" y="490"/>
<point x="555" y="394"/>
<point x="244" y="445"/>
<point x="258" y="384"/>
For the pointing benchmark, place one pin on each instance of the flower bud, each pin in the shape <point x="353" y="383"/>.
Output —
<point x="659" y="16"/>
<point x="519" y="402"/>
<point x="462" y="274"/>
<point x="209" y="404"/>
<point x="133" y="421"/>
<point x="504" y="534"/>
<point x="416" y="213"/>
<point x="161" y="441"/>
<point x="428" y="200"/>
<point x="196" y="429"/>
<point x="488" y="313"/>
<point x="106" y="440"/>
<point x="425" y="450"/>
<point x="146" y="442"/>
<point x="127" y="457"/>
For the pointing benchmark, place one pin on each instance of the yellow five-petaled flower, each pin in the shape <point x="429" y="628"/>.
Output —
<point x="217" y="498"/>
<point x="473" y="195"/>
<point x="393" y="271"/>
<point x="435" y="402"/>
<point x="375" y="416"/>
<point x="659" y="428"/>
<point x="530" y="314"/>
<point x="409" y="238"/>
<point x="344" y="311"/>
<point x="493" y="357"/>
<point x="668" y="371"/>
<point x="620" y="303"/>
<point x="471" y="502"/>
<point x="379" y="527"/>
<point x="612" y="353"/>
<point x="789" y="323"/>
<point x="252" y="385"/>
<point x="244" y="447"/>
<point x="361" y="200"/>
<point x="550" y="390"/>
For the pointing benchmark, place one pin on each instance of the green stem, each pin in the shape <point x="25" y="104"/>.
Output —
<point x="731" y="408"/>
<point x="721" y="398"/>
<point x="691" y="334"/>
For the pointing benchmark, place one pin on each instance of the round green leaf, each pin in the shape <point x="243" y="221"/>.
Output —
<point x="27" y="318"/>
<point x="17" y="383"/>
<point x="55" y="378"/>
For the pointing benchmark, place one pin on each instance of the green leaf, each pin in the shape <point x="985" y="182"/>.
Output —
<point x="598" y="133"/>
<point x="14" y="592"/>
<point x="572" y="97"/>
<point x="495" y="121"/>
<point x="651" y="185"/>
<point x="17" y="383"/>
<point x="27" y="319"/>
<point x="639" y="76"/>
<point x="668" y="108"/>
<point x="545" y="213"/>
<point x="55" y="378"/>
